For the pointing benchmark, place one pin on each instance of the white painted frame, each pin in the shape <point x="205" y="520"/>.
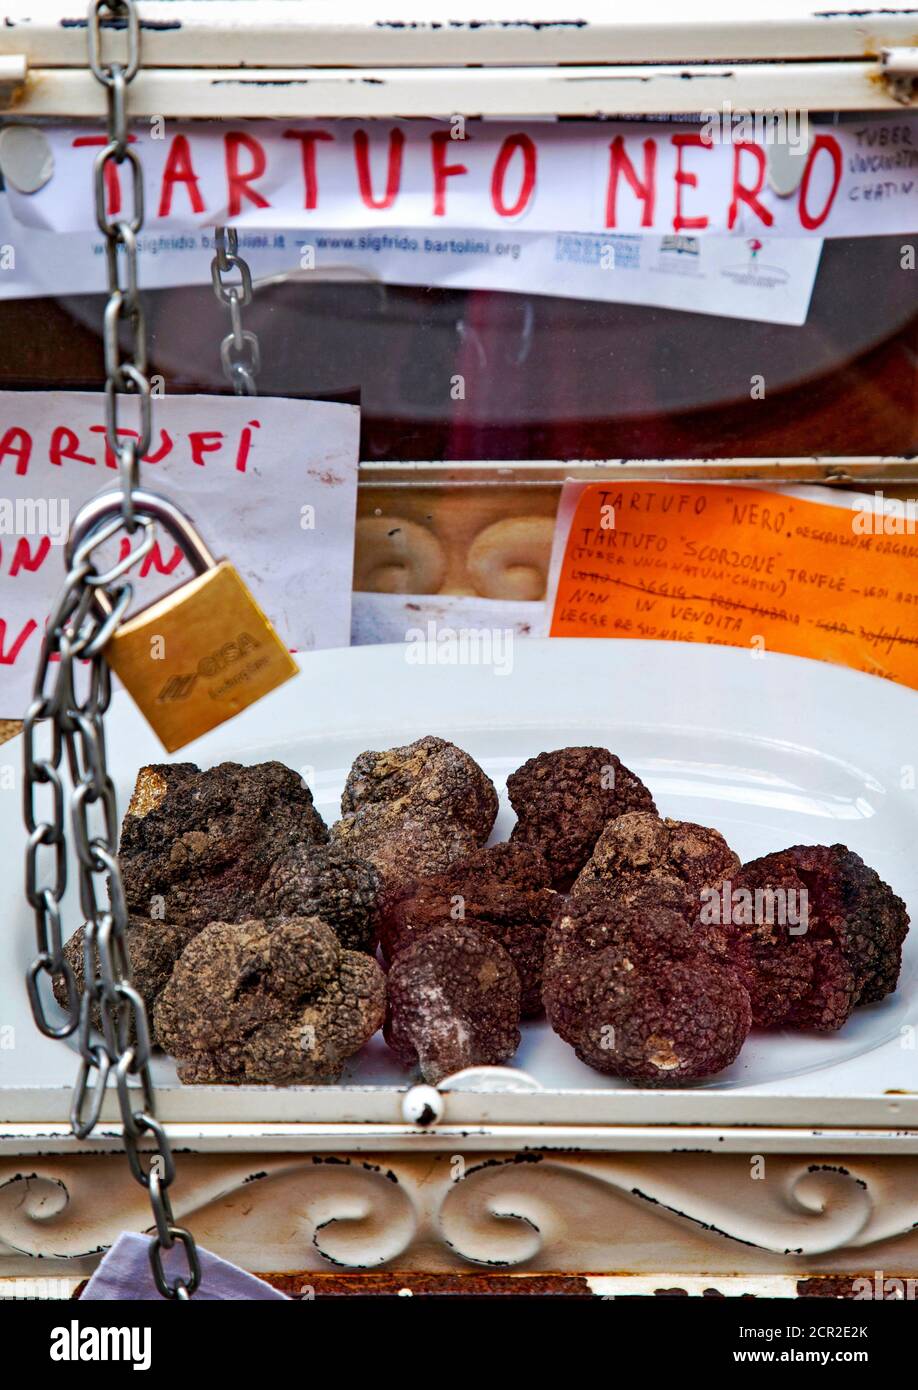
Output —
<point x="334" y="58"/>
<point x="418" y="33"/>
<point x="284" y="58"/>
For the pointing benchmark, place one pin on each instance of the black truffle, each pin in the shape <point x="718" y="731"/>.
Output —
<point x="564" y="800"/>
<point x="152" y="948"/>
<point x="814" y="932"/>
<point x="499" y="891"/>
<point x="328" y="882"/>
<point x="454" y="1002"/>
<point x="640" y="852"/>
<point x="278" y="1004"/>
<point x="196" y="847"/>
<point x="415" y="810"/>
<point x="640" y="995"/>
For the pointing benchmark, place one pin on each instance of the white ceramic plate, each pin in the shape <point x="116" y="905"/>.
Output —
<point x="773" y="752"/>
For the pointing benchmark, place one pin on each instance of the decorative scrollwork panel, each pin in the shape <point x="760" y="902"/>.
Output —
<point x="691" y="1213"/>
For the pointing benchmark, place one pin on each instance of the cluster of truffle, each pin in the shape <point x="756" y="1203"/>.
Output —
<point x="254" y="929"/>
<point x="668" y="950"/>
<point x="250" y="937"/>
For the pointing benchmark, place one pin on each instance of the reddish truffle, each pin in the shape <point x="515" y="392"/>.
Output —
<point x="814" y="932"/>
<point x="499" y="891"/>
<point x="415" y="810"/>
<point x="513" y="865"/>
<point x="454" y="1002"/>
<point x="682" y="1027"/>
<point x="563" y="801"/>
<point x="640" y="995"/>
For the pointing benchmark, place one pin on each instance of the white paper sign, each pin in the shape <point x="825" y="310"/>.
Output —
<point x="765" y="278"/>
<point x="858" y="178"/>
<point x="270" y="483"/>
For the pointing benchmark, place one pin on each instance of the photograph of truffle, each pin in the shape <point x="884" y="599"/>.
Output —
<point x="501" y="891"/>
<point x="565" y="799"/>
<point x="453" y="1002"/>
<point x="415" y="810"/>
<point x="814" y="932"/>
<point x="277" y="1004"/>
<point x="196" y="847"/>
<point x="640" y="994"/>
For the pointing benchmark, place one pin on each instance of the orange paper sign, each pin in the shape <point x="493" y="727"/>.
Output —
<point x="745" y="568"/>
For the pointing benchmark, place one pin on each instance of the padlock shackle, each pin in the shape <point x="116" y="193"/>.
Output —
<point x="102" y="510"/>
<point x="148" y="506"/>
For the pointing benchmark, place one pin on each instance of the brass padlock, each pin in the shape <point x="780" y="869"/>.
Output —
<point x="201" y="653"/>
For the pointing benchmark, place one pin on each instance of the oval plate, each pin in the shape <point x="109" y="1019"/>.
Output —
<point x="773" y="751"/>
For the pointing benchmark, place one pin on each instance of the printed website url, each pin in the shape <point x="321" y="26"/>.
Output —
<point x="431" y="246"/>
<point x="814" y="1358"/>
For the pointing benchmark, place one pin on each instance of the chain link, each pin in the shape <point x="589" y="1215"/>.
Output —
<point x="109" y="1018"/>
<point x="240" y="352"/>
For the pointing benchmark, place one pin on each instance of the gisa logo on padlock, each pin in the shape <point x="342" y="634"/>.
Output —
<point x="180" y="686"/>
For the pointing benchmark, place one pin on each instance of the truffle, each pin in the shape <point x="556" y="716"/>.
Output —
<point x="415" y="810"/>
<point x="513" y="865"/>
<point x="642" y="995"/>
<point x="640" y="852"/>
<point x="814" y="932"/>
<point x="454" y="1002"/>
<point x="328" y="882"/>
<point x="196" y="847"/>
<point x="152" y="948"/>
<point x="499" y="891"/>
<point x="563" y="801"/>
<point x="278" y="1003"/>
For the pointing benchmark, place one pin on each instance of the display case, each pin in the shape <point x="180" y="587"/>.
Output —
<point x="638" y="319"/>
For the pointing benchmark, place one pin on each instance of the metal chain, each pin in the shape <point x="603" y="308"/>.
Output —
<point x="127" y="373"/>
<point x="70" y="697"/>
<point x="240" y="352"/>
